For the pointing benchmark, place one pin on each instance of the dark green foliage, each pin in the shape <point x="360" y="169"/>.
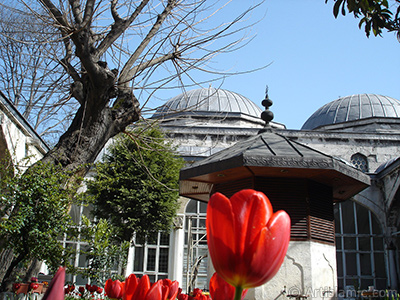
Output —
<point x="374" y="15"/>
<point x="39" y="204"/>
<point x="136" y="186"/>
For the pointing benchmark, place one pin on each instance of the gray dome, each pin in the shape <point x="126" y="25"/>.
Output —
<point x="353" y="108"/>
<point x="209" y="100"/>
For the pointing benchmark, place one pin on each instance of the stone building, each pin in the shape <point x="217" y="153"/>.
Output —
<point x="360" y="131"/>
<point x="363" y="131"/>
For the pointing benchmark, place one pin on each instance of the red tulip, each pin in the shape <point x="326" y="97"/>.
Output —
<point x="246" y="241"/>
<point x="201" y="297"/>
<point x="114" y="289"/>
<point x="81" y="290"/>
<point x="155" y="292"/>
<point x="197" y="292"/>
<point x="70" y="288"/>
<point x="93" y="288"/>
<point x="55" y="290"/>
<point x="142" y="289"/>
<point x="221" y="290"/>
<point x="183" y="297"/>
<point x="173" y="288"/>
<point x="130" y="286"/>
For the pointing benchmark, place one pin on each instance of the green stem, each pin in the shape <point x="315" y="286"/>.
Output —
<point x="238" y="293"/>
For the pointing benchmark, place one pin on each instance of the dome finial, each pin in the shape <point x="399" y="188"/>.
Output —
<point x="267" y="115"/>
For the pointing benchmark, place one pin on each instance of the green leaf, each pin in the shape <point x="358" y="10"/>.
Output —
<point x="336" y="7"/>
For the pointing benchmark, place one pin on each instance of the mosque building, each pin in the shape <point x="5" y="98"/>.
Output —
<point x="360" y="132"/>
<point x="355" y="247"/>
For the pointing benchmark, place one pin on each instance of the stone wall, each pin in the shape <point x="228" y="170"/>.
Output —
<point x="309" y="270"/>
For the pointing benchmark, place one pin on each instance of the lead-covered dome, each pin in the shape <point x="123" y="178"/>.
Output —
<point x="351" y="108"/>
<point x="209" y="100"/>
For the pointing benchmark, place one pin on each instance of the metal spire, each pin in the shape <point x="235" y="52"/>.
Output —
<point x="267" y="115"/>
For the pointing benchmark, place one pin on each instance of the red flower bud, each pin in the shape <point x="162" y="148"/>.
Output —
<point x="246" y="240"/>
<point x="220" y="289"/>
<point x="114" y="289"/>
<point x="16" y="286"/>
<point x="34" y="285"/>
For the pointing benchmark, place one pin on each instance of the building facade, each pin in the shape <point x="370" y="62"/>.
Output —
<point x="19" y="143"/>
<point x="362" y="130"/>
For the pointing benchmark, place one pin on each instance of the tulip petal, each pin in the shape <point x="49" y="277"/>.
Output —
<point x="107" y="286"/>
<point x="220" y="289"/>
<point x="173" y="290"/>
<point x="130" y="287"/>
<point x="165" y="292"/>
<point x="251" y="210"/>
<point x="142" y="288"/>
<point x="267" y="255"/>
<point x="55" y="290"/>
<point x="219" y="225"/>
<point x="155" y="292"/>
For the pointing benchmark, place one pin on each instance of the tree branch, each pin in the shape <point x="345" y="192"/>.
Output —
<point x="57" y="15"/>
<point x="114" y="11"/>
<point x="76" y="10"/>
<point x="119" y="26"/>
<point x="147" y="64"/>
<point x="61" y="19"/>
<point x="66" y="61"/>
<point x="124" y="78"/>
<point x="89" y="10"/>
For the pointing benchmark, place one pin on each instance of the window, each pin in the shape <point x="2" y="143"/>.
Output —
<point x="360" y="162"/>
<point x="151" y="257"/>
<point x="359" y="247"/>
<point x="195" y="258"/>
<point x="79" y="260"/>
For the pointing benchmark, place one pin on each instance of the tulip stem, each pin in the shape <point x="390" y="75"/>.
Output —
<point x="238" y="293"/>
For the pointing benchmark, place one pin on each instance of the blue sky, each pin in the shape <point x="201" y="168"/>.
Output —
<point x="314" y="59"/>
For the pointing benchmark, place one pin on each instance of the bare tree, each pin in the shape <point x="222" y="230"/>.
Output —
<point x="116" y="56"/>
<point x="113" y="54"/>
<point x="33" y="80"/>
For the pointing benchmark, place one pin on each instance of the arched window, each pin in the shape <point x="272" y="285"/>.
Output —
<point x="360" y="162"/>
<point x="195" y="259"/>
<point x="359" y="248"/>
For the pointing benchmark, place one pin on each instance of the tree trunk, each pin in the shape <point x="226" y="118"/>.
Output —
<point x="79" y="146"/>
<point x="33" y="270"/>
<point x="6" y="257"/>
<point x="89" y="132"/>
<point x="6" y="284"/>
